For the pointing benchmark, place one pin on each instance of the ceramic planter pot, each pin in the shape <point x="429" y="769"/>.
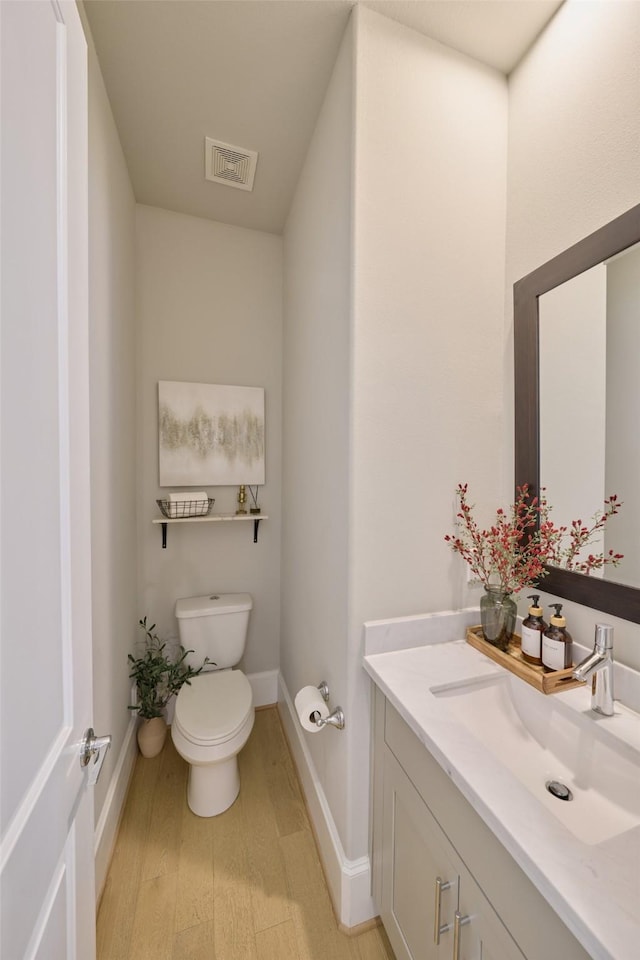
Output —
<point x="151" y="736"/>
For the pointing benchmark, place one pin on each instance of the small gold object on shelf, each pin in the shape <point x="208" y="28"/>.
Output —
<point x="242" y="499"/>
<point x="512" y="659"/>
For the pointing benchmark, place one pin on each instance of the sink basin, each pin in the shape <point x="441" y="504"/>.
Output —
<point x="541" y="738"/>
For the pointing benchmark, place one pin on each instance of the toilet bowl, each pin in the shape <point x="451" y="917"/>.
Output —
<point x="213" y="718"/>
<point x="214" y="712"/>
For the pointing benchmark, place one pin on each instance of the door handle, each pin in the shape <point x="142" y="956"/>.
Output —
<point x="439" y="928"/>
<point x="458" y="921"/>
<point x="93" y="750"/>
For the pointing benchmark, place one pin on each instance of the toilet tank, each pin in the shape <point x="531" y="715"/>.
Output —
<point x="214" y="626"/>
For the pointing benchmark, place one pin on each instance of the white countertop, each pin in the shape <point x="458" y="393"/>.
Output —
<point x="595" y="889"/>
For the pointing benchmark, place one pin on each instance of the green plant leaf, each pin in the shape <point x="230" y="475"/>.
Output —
<point x="157" y="676"/>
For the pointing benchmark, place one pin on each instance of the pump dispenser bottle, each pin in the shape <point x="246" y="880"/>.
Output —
<point x="556" y="642"/>
<point x="532" y="629"/>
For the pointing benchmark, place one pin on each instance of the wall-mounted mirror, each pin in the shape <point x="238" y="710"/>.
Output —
<point x="577" y="401"/>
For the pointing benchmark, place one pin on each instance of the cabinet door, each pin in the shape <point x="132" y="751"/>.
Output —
<point x="415" y="853"/>
<point x="482" y="935"/>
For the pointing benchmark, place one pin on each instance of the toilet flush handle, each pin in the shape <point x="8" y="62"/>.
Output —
<point x="93" y="750"/>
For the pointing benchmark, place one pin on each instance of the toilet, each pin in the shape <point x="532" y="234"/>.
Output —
<point x="214" y="713"/>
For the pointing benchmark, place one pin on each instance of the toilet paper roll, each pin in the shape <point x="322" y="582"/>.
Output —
<point x="308" y="702"/>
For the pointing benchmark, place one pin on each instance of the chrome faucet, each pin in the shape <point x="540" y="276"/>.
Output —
<point x="599" y="667"/>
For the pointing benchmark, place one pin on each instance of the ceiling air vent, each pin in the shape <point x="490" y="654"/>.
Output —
<point x="225" y="163"/>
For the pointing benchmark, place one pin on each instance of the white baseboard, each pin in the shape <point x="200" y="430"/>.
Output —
<point x="107" y="826"/>
<point x="349" y="881"/>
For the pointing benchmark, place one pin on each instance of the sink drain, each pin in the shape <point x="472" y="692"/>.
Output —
<point x="559" y="790"/>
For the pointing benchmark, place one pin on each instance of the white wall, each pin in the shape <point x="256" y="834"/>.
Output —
<point x="113" y="448"/>
<point x="209" y="310"/>
<point x="317" y="307"/>
<point x="428" y="331"/>
<point x="429" y="302"/>
<point x="574" y="144"/>
<point x="393" y="364"/>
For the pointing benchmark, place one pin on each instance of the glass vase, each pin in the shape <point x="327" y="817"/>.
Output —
<point x="498" y="613"/>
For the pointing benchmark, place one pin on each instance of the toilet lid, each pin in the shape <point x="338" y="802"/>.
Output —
<point x="214" y="706"/>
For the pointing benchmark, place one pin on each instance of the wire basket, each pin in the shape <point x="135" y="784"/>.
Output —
<point x="181" y="509"/>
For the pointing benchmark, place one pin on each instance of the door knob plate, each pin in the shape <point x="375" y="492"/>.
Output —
<point x="93" y="750"/>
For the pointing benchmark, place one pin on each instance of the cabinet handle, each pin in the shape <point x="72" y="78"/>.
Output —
<point x="458" y="921"/>
<point x="437" y="928"/>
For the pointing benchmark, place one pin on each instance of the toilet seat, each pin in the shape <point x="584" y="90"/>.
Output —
<point x="214" y="707"/>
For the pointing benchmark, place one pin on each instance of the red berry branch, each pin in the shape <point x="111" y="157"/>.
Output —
<point x="513" y="551"/>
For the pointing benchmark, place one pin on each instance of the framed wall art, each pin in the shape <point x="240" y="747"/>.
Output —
<point x="210" y="434"/>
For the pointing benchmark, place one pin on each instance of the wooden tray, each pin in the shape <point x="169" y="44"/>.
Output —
<point x="512" y="660"/>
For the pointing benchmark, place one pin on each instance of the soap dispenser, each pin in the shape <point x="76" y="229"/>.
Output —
<point x="532" y="629"/>
<point x="556" y="642"/>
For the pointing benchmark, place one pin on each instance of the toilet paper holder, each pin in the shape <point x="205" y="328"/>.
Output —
<point x="336" y="718"/>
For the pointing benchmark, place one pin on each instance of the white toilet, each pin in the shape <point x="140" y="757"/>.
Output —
<point x="214" y="713"/>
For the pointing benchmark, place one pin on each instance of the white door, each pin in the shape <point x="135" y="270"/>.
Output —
<point x="47" y="896"/>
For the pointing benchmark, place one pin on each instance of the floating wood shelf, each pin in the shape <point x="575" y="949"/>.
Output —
<point x="212" y="518"/>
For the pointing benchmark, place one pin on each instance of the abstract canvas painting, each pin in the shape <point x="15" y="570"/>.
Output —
<point x="210" y="434"/>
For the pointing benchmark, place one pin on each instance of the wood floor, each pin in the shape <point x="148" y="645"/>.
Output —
<point x="246" y="885"/>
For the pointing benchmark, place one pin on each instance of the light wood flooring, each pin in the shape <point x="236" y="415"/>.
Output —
<point x="246" y="885"/>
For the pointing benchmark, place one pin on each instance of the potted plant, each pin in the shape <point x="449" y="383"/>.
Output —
<point x="158" y="677"/>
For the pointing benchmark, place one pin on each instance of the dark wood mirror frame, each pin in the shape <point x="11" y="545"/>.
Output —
<point x="614" y="598"/>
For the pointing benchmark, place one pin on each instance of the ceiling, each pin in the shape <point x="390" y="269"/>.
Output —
<point x="253" y="73"/>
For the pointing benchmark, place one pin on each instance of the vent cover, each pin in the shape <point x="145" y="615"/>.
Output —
<point x="225" y="163"/>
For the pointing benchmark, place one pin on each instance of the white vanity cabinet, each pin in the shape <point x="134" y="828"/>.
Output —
<point x="431" y="906"/>
<point x="424" y="829"/>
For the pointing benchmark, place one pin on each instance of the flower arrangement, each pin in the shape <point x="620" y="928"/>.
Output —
<point x="513" y="552"/>
<point x="580" y="536"/>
